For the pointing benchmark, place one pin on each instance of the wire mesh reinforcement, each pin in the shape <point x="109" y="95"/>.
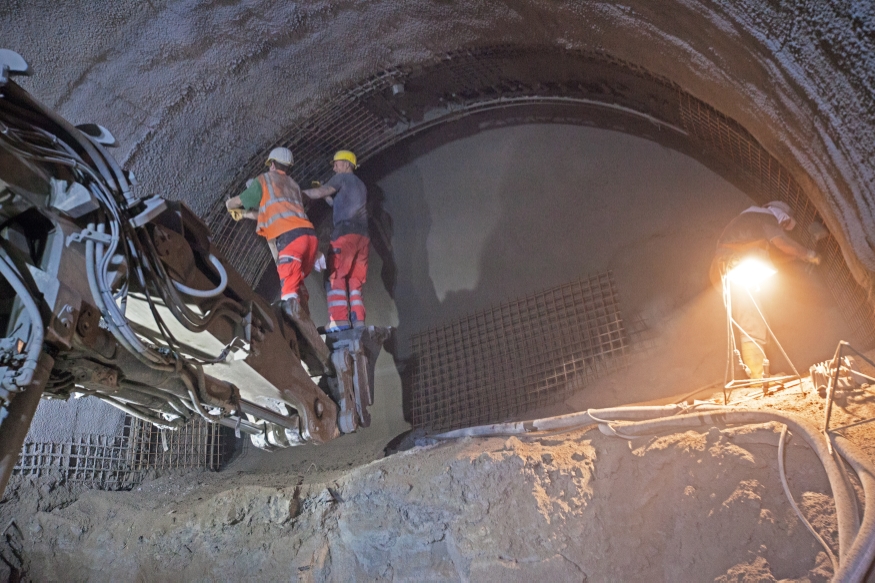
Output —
<point x="97" y="461"/>
<point x="765" y="179"/>
<point x="198" y="444"/>
<point x="369" y="118"/>
<point x="120" y="462"/>
<point x="521" y="355"/>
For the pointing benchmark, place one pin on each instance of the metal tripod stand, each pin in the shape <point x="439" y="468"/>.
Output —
<point x="734" y="355"/>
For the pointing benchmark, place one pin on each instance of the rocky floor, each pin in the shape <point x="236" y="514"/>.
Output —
<point x="694" y="506"/>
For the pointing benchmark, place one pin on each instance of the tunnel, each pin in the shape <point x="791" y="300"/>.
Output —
<point x="508" y="148"/>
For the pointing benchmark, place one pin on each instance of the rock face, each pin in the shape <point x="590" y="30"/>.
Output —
<point x="194" y="89"/>
<point x="692" y="506"/>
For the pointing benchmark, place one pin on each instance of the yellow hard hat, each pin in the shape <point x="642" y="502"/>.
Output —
<point x="345" y="155"/>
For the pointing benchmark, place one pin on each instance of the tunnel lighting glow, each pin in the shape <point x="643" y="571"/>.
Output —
<point x="751" y="272"/>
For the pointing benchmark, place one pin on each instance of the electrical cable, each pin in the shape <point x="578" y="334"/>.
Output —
<point x="796" y="509"/>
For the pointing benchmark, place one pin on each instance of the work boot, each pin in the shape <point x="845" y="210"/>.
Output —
<point x="293" y="310"/>
<point x="753" y="357"/>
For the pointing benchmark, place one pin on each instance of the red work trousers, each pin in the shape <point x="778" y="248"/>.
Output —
<point x="348" y="266"/>
<point x="293" y="264"/>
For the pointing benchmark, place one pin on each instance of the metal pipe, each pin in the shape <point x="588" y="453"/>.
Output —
<point x="267" y="415"/>
<point x="245" y="426"/>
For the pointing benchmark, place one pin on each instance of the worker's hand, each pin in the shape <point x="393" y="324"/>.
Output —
<point x="228" y="204"/>
<point x="329" y="200"/>
<point x="320" y="264"/>
<point x="813" y="257"/>
<point x="236" y="214"/>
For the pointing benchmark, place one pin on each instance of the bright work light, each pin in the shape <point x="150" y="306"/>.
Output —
<point x="751" y="272"/>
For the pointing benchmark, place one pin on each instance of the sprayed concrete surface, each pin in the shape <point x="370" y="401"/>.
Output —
<point x="194" y="89"/>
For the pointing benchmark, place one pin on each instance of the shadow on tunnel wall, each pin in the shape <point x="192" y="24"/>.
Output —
<point x="403" y="220"/>
<point x="517" y="232"/>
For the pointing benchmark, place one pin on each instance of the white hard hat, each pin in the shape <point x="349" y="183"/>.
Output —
<point x="784" y="208"/>
<point x="281" y="155"/>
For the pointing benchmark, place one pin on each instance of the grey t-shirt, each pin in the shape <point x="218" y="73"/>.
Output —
<point x="350" y="205"/>
<point x="749" y="229"/>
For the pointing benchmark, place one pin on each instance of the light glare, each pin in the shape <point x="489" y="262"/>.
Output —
<point x="751" y="272"/>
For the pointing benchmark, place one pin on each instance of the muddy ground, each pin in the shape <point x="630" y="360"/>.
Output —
<point x="694" y="506"/>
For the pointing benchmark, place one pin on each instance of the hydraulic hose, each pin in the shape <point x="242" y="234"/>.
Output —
<point x="134" y="412"/>
<point x="862" y="552"/>
<point x="90" y="267"/>
<point x="198" y="405"/>
<point x="723" y="416"/>
<point x="196" y="293"/>
<point x="856" y="549"/>
<point x="563" y="422"/>
<point x="781" y="442"/>
<point x="24" y="376"/>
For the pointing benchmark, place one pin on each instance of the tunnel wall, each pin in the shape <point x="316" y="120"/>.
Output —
<point x="196" y="89"/>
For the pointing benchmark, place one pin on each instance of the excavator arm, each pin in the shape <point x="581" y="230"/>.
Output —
<point x="126" y="299"/>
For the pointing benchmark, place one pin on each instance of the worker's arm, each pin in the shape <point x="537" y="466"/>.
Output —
<point x="323" y="191"/>
<point x="249" y="200"/>
<point x="794" y="249"/>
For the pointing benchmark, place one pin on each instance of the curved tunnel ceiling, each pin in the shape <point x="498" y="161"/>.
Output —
<point x="468" y="91"/>
<point x="777" y="97"/>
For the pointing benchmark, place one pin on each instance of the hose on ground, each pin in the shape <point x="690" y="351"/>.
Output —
<point x="725" y="416"/>
<point x="796" y="509"/>
<point x="862" y="551"/>
<point x="856" y="546"/>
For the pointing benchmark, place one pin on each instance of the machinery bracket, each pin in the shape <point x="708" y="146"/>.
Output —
<point x="154" y="207"/>
<point x="89" y="234"/>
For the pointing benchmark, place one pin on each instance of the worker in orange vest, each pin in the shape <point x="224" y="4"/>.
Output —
<point x="348" y="260"/>
<point x="274" y="200"/>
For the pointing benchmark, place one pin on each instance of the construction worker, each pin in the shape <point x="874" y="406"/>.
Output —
<point x="348" y="260"/>
<point x="751" y="235"/>
<point x="274" y="200"/>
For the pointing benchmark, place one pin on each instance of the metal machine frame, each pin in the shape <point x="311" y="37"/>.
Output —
<point x="127" y="299"/>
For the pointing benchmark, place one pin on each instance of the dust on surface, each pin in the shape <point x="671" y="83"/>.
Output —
<point x="693" y="506"/>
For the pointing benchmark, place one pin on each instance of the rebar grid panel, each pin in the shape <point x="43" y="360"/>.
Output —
<point x="370" y="117"/>
<point x="197" y="444"/>
<point x="518" y="356"/>
<point x="120" y="462"/>
<point x="767" y="180"/>
<point x="96" y="461"/>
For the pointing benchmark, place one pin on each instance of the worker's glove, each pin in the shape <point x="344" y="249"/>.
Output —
<point x="813" y="257"/>
<point x="315" y="184"/>
<point x="320" y="264"/>
<point x="236" y="214"/>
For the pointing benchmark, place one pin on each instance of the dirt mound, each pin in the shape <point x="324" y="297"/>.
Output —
<point x="581" y="506"/>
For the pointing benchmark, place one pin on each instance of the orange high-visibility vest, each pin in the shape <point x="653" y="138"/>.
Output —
<point x="281" y="208"/>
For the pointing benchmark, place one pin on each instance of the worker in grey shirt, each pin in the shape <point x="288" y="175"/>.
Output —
<point x="348" y="259"/>
<point x="753" y="234"/>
